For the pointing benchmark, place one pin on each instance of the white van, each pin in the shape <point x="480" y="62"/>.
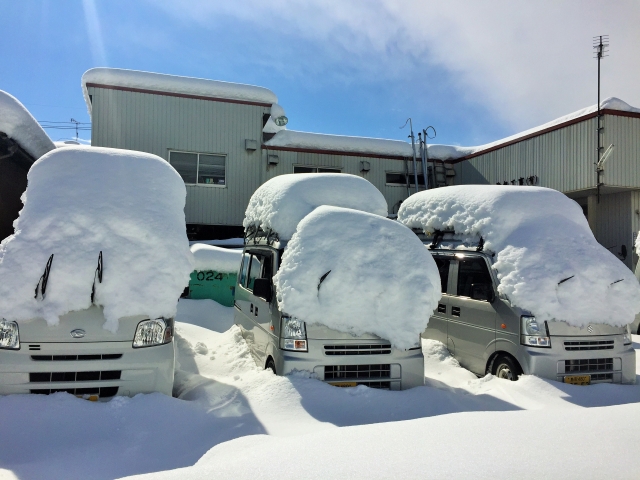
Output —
<point x="89" y="282"/>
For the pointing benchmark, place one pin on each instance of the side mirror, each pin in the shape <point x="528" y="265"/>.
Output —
<point x="262" y="288"/>
<point x="483" y="291"/>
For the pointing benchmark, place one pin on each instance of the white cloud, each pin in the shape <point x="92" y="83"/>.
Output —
<point x="527" y="62"/>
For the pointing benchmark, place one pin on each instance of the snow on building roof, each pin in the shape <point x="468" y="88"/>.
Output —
<point x="280" y="203"/>
<point x="85" y="200"/>
<point x="159" y="82"/>
<point x="452" y="152"/>
<point x="358" y="273"/>
<point x="548" y="261"/>
<point x="291" y="139"/>
<point x="209" y="257"/>
<point x="19" y="125"/>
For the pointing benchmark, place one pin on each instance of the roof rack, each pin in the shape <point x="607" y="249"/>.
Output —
<point x="449" y="239"/>
<point x="255" y="234"/>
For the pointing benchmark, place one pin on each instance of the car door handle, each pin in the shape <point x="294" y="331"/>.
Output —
<point x="251" y="308"/>
<point x="255" y="311"/>
<point x="442" y="308"/>
<point x="455" y="311"/>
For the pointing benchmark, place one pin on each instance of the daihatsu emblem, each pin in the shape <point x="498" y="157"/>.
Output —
<point x="590" y="329"/>
<point x="77" y="333"/>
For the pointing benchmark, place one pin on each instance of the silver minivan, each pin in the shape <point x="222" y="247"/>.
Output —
<point x="488" y="335"/>
<point x="285" y="344"/>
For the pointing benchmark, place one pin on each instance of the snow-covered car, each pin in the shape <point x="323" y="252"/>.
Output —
<point x="90" y="280"/>
<point x="330" y="286"/>
<point x="526" y="287"/>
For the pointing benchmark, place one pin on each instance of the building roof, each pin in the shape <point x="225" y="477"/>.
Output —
<point x="19" y="125"/>
<point x="339" y="144"/>
<point x="609" y="105"/>
<point x="159" y="83"/>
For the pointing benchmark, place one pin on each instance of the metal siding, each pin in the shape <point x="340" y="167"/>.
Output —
<point x="614" y="223"/>
<point x="157" y="124"/>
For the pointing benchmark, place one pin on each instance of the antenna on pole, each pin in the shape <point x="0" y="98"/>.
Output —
<point x="77" y="124"/>
<point x="413" y="147"/>
<point x="601" y="47"/>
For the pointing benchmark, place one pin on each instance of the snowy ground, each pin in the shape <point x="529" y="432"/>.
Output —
<point x="233" y="420"/>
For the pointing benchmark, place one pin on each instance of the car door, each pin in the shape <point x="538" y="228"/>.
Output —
<point x="243" y="315"/>
<point x="261" y="266"/>
<point x="472" y="319"/>
<point x="437" y="328"/>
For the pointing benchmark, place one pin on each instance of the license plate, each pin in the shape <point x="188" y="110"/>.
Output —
<point x="578" y="379"/>
<point x="344" y="384"/>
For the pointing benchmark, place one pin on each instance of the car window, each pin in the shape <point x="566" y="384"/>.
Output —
<point x="443" y="268"/>
<point x="244" y="268"/>
<point x="260" y="266"/>
<point x="473" y="271"/>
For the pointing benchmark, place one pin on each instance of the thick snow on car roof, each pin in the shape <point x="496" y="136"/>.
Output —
<point x="358" y="273"/>
<point x="547" y="260"/>
<point x="210" y="257"/>
<point x="117" y="77"/>
<point x="280" y="203"/>
<point x="80" y="202"/>
<point x="18" y="124"/>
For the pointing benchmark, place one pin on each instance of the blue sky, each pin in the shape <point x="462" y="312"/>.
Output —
<point x="476" y="71"/>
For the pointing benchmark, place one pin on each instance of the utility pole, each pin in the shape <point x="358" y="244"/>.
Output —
<point x="600" y="44"/>
<point x="425" y="157"/>
<point x="77" y="123"/>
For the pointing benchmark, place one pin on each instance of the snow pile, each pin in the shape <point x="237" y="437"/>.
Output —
<point x="18" y="124"/>
<point x="283" y="201"/>
<point x="358" y="273"/>
<point x="453" y="152"/>
<point x="548" y="261"/>
<point x="83" y="201"/>
<point x="208" y="257"/>
<point x="175" y="84"/>
<point x="341" y="143"/>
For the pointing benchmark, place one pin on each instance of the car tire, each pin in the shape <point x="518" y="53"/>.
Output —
<point x="506" y="368"/>
<point x="271" y="366"/>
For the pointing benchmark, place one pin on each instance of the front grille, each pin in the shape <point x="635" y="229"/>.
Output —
<point x="356" y="372"/>
<point x="589" y="345"/>
<point x="588" y="365"/>
<point x="602" y="377"/>
<point x="39" y="377"/>
<point x="103" y="392"/>
<point x="357" y="349"/>
<point x="71" y="358"/>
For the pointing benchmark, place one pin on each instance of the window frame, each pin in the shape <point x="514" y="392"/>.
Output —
<point x="337" y="169"/>
<point x="216" y="185"/>
<point x="455" y="281"/>
<point x="411" y="179"/>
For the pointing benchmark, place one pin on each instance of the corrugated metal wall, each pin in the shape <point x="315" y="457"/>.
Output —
<point x="621" y="168"/>
<point x="157" y="124"/>
<point x="614" y="224"/>
<point x="348" y="164"/>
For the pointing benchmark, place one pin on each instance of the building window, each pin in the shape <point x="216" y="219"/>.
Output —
<point x="302" y="169"/>
<point x="400" y="179"/>
<point x="199" y="168"/>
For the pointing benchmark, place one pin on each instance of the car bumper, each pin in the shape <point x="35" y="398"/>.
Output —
<point x="615" y="365"/>
<point x="101" y="369"/>
<point x="397" y="370"/>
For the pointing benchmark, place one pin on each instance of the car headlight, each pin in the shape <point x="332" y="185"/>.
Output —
<point x="153" y="332"/>
<point x="9" y="335"/>
<point x="534" y="333"/>
<point x="294" y="334"/>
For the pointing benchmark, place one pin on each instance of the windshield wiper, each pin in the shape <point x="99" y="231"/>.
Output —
<point x="42" y="283"/>
<point x="98" y="273"/>
<point x="322" y="280"/>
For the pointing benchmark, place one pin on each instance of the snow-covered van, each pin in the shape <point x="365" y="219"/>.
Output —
<point x="319" y="290"/>
<point x="90" y="280"/>
<point x="526" y="289"/>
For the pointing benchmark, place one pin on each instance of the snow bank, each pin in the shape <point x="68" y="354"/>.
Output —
<point x="18" y="124"/>
<point x="79" y="202"/>
<point x="382" y="280"/>
<point x="548" y="261"/>
<point x="341" y="143"/>
<point x="175" y="84"/>
<point x="208" y="257"/>
<point x="453" y="152"/>
<point x="283" y="201"/>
